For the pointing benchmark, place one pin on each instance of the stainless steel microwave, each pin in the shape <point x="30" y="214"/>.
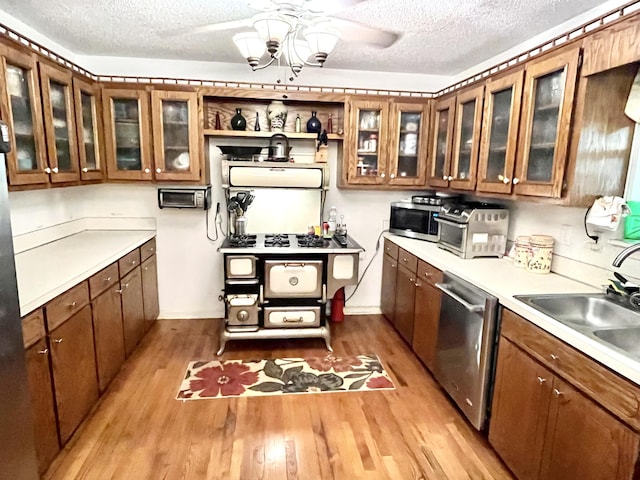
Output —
<point x="198" y="197"/>
<point x="415" y="220"/>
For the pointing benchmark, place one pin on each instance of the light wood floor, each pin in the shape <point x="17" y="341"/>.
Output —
<point x="139" y="431"/>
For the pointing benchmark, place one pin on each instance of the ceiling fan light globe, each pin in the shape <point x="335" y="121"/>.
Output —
<point x="271" y="27"/>
<point x="297" y="52"/>
<point x="321" y="40"/>
<point x="250" y="46"/>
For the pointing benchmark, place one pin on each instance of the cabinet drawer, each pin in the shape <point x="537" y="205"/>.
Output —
<point x="32" y="327"/>
<point x="102" y="280"/>
<point x="291" y="317"/>
<point x="390" y="249"/>
<point x="67" y="304"/>
<point x="130" y="261"/>
<point x="407" y="259"/>
<point x="614" y="393"/>
<point x="147" y="249"/>
<point x="429" y="273"/>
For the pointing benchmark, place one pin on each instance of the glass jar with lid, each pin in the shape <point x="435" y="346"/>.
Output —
<point x="541" y="253"/>
<point x="522" y="251"/>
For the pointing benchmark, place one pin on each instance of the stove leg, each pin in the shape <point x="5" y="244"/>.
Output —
<point x="326" y="334"/>
<point x="223" y="341"/>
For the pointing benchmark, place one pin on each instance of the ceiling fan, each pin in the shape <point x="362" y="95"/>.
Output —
<point x="303" y="31"/>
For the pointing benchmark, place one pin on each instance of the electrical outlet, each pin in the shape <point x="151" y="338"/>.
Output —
<point x="385" y="224"/>
<point x="565" y="235"/>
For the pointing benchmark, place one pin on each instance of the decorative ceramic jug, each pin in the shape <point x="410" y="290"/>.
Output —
<point x="277" y="116"/>
<point x="237" y="121"/>
<point x="313" y="124"/>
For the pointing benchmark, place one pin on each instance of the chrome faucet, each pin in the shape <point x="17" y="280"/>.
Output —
<point x="622" y="256"/>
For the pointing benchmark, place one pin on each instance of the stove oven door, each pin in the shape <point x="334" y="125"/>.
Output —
<point x="293" y="279"/>
<point x="240" y="266"/>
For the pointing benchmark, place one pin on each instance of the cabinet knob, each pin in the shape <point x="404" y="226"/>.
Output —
<point x="73" y="304"/>
<point x="44" y="351"/>
<point x="444" y="177"/>
<point x="411" y="280"/>
<point x="418" y="284"/>
<point x="108" y="279"/>
<point x="427" y="274"/>
<point x="541" y="380"/>
<point x="133" y="262"/>
<point x="146" y="170"/>
<point x="516" y="181"/>
<point x="557" y="392"/>
<point x="393" y="175"/>
<point x="54" y="169"/>
<point x="119" y="290"/>
<point x="505" y="180"/>
<point x="382" y="175"/>
<point x="553" y="357"/>
<point x="449" y="178"/>
<point x="85" y="169"/>
<point x="57" y="340"/>
<point x="393" y="265"/>
<point x="158" y="170"/>
<point x="47" y="170"/>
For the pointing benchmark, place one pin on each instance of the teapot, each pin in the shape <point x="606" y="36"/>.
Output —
<point x="279" y="148"/>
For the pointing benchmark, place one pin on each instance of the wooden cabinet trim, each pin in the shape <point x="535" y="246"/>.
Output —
<point x="566" y="60"/>
<point x="67" y="304"/>
<point x="28" y="62"/>
<point x="473" y="95"/>
<point x="614" y="393"/>
<point x="81" y="86"/>
<point x="194" y="171"/>
<point x="612" y="47"/>
<point x="50" y="73"/>
<point x="514" y="81"/>
<point x="33" y="327"/>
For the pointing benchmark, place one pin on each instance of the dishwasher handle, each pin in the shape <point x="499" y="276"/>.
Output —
<point x="472" y="308"/>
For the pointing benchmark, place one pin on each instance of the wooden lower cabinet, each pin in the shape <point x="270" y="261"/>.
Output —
<point x="132" y="309"/>
<point x="74" y="371"/>
<point x="44" y="418"/>
<point x="108" y="334"/>
<point x="388" y="290"/>
<point x="425" y="323"/>
<point x="150" y="291"/>
<point x="544" y="428"/>
<point x="405" y="300"/>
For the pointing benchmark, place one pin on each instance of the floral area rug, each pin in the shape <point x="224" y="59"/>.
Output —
<point x="277" y="376"/>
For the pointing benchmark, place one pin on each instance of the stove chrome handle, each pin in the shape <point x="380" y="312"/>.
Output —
<point x="323" y="300"/>
<point x="444" y="287"/>
<point x="261" y="299"/>
<point x="449" y="222"/>
<point x="293" y="320"/>
<point x="294" y="265"/>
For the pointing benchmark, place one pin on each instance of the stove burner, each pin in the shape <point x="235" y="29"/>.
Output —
<point x="276" y="240"/>
<point x="310" y="240"/>
<point x="242" y="240"/>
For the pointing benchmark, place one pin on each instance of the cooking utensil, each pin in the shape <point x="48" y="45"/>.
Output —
<point x="279" y="148"/>
<point x="620" y="277"/>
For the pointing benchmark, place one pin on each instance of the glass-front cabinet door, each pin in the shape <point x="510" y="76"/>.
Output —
<point x="127" y="134"/>
<point x="175" y="135"/>
<point x="59" y="123"/>
<point x="441" y="142"/>
<point x="89" y="129"/>
<point x="546" y="116"/>
<point x="499" y="141"/>
<point x="466" y="139"/>
<point x="20" y="108"/>
<point x="367" y="158"/>
<point x="408" y="153"/>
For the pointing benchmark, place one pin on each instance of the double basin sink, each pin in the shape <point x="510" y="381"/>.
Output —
<point x="595" y="315"/>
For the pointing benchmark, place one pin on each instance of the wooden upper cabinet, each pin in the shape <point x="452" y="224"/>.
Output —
<point x="441" y="139"/>
<point x="127" y="133"/>
<point x="466" y="139"/>
<point x="408" y="129"/>
<point x="547" y="107"/>
<point x="176" y="135"/>
<point x="366" y="150"/>
<point x="499" y="140"/>
<point x="20" y="108"/>
<point x="612" y="47"/>
<point x="89" y="125"/>
<point x="59" y="123"/>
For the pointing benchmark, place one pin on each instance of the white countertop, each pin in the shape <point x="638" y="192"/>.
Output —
<point x="46" y="271"/>
<point x="500" y="278"/>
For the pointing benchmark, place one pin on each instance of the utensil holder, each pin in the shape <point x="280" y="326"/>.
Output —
<point x="241" y="225"/>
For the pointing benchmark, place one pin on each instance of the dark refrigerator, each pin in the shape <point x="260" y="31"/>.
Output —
<point x="17" y="450"/>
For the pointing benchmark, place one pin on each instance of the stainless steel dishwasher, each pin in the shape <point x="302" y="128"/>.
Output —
<point x="466" y="345"/>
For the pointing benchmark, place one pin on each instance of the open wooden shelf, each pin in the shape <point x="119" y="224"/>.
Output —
<point x="208" y="132"/>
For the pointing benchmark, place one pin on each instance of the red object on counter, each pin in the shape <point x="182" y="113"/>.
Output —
<point x="337" y="306"/>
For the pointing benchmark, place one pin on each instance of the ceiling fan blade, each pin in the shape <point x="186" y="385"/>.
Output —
<point x="210" y="27"/>
<point x="359" y="33"/>
<point x="328" y="7"/>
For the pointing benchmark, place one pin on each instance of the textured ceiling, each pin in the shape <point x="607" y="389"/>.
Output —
<point x="437" y="36"/>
